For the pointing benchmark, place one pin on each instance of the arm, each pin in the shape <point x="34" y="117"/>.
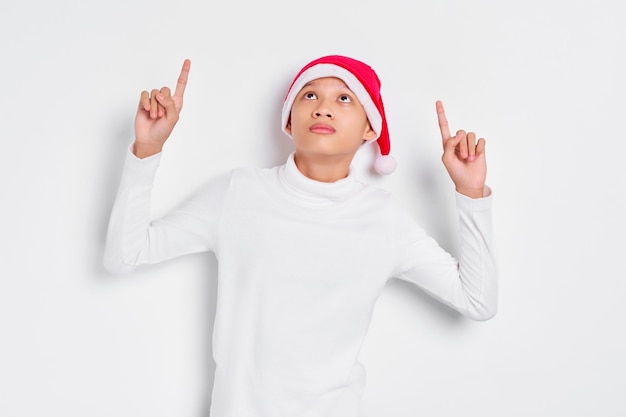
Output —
<point x="132" y="239"/>
<point x="468" y="283"/>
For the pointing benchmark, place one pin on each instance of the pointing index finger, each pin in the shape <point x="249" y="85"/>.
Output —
<point x="182" y="79"/>
<point x="443" y="121"/>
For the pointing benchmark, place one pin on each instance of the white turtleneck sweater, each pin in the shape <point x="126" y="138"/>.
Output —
<point x="301" y="264"/>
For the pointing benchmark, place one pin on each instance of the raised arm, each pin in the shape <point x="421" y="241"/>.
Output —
<point x="132" y="238"/>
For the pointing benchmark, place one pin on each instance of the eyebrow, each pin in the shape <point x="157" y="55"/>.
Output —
<point x="309" y="84"/>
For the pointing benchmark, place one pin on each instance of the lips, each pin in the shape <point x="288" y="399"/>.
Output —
<point x="322" y="129"/>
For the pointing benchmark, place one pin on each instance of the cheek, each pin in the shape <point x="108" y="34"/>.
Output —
<point x="298" y="117"/>
<point x="356" y="123"/>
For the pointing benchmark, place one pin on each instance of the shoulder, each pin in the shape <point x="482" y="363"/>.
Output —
<point x="249" y="182"/>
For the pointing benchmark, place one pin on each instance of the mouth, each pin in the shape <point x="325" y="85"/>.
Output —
<point x="322" y="129"/>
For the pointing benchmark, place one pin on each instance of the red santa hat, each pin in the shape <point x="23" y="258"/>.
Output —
<point x="362" y="80"/>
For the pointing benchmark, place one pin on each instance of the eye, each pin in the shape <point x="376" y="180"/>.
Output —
<point x="309" y="96"/>
<point x="344" y="98"/>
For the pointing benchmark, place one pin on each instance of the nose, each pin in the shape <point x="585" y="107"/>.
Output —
<point x="323" y="110"/>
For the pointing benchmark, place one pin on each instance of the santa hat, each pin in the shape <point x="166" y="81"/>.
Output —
<point x="364" y="83"/>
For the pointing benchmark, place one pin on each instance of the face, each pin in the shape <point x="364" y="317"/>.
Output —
<point x="328" y="120"/>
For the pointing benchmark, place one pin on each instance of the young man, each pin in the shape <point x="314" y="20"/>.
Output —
<point x="305" y="248"/>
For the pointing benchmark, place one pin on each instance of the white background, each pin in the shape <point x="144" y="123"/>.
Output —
<point x="543" y="81"/>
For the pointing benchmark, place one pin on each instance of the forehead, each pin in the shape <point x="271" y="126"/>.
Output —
<point x="326" y="82"/>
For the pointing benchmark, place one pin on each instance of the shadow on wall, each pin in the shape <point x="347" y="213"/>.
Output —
<point x="447" y="315"/>
<point x="111" y="156"/>
<point x="439" y="215"/>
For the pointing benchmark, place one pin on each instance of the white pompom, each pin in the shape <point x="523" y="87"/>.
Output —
<point x="385" y="164"/>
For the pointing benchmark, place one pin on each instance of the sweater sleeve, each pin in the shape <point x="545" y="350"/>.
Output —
<point x="134" y="239"/>
<point x="467" y="283"/>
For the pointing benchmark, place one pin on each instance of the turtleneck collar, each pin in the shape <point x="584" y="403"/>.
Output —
<point x="305" y="187"/>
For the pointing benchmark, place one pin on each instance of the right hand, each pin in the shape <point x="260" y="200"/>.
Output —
<point x="157" y="114"/>
<point x="463" y="157"/>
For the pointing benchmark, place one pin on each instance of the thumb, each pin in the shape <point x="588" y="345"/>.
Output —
<point x="451" y="144"/>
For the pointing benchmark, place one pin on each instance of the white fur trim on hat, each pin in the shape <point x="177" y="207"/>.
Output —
<point x="331" y="70"/>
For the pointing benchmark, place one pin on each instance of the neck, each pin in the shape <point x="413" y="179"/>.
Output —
<point x="324" y="168"/>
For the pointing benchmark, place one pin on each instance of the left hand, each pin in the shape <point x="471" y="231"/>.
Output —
<point x="463" y="157"/>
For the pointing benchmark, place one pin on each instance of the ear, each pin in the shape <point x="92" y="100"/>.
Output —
<point x="288" y="127"/>
<point x="369" y="133"/>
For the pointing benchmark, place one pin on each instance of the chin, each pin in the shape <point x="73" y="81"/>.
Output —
<point x="323" y="147"/>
